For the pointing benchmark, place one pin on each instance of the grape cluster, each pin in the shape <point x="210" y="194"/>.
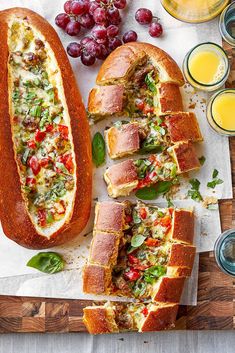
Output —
<point x="103" y="18"/>
<point x="145" y="17"/>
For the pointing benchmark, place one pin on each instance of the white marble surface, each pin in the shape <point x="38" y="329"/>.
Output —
<point x="166" y="342"/>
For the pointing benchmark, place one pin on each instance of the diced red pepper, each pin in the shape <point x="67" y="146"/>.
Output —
<point x="132" y="275"/>
<point x="34" y="165"/>
<point x="143" y="213"/>
<point x="152" y="242"/>
<point x="129" y="218"/>
<point x="64" y="131"/>
<point x="49" y="128"/>
<point x="30" y="181"/>
<point x="44" y="162"/>
<point x="67" y="160"/>
<point x="31" y="144"/>
<point x="163" y="124"/>
<point x="148" y="109"/>
<point x="40" y="135"/>
<point x="42" y="216"/>
<point x="132" y="259"/>
<point x="165" y="221"/>
<point x="145" y="311"/>
<point x="140" y="104"/>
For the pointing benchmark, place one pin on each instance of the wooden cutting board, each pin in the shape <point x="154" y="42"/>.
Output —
<point x="216" y="291"/>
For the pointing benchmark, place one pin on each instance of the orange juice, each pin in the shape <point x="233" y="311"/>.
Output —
<point x="206" y="67"/>
<point x="223" y="110"/>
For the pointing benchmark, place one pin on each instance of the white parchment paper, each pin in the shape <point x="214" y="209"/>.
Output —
<point x="15" y="277"/>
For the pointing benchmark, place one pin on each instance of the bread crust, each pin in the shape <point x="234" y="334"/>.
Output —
<point x="183" y="226"/>
<point x="121" y="63"/>
<point x="169" y="290"/>
<point x="162" y="318"/>
<point x="99" y="319"/>
<point x="96" y="279"/>
<point x="183" y="126"/>
<point x="185" y="156"/>
<point x="109" y="217"/>
<point x="123" y="141"/>
<point x="182" y="255"/>
<point x="170" y="99"/>
<point x="106" y="100"/>
<point x="14" y="217"/>
<point x="104" y="248"/>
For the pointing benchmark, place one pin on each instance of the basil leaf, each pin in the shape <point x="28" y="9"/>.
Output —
<point x="202" y="160"/>
<point x="147" y="193"/>
<point x="152" y="192"/>
<point x="195" y="184"/>
<point x="149" y="80"/>
<point x="98" y="149"/>
<point x="215" y="173"/>
<point x="47" y="262"/>
<point x="136" y="218"/>
<point x="137" y="240"/>
<point x="195" y="195"/>
<point x="154" y="272"/>
<point x="212" y="184"/>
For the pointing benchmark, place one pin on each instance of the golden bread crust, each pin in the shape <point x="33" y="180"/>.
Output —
<point x="162" y="318"/>
<point x="14" y="216"/>
<point x="183" y="226"/>
<point x="182" y="255"/>
<point x="109" y="217"/>
<point x="183" y="126"/>
<point x="96" y="279"/>
<point x="104" y="248"/>
<point x="170" y="99"/>
<point x="185" y="156"/>
<point x="99" y="320"/>
<point x="169" y="290"/>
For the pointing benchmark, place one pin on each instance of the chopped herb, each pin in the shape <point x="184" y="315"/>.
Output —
<point x="25" y="156"/>
<point x="154" y="272"/>
<point x="149" y="80"/>
<point x="202" y="160"/>
<point x="216" y="181"/>
<point x="35" y="111"/>
<point x="212" y="206"/>
<point x="215" y="173"/>
<point x="136" y="218"/>
<point x="137" y="240"/>
<point x="212" y="184"/>
<point x="169" y="203"/>
<point x="139" y="288"/>
<point x="194" y="193"/>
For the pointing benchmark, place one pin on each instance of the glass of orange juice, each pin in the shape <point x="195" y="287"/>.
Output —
<point x="206" y="66"/>
<point x="221" y="112"/>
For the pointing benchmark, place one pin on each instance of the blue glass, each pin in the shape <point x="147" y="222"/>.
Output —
<point x="225" y="252"/>
<point x="227" y="24"/>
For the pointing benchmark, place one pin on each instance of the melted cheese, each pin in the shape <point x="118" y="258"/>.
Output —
<point x="23" y="100"/>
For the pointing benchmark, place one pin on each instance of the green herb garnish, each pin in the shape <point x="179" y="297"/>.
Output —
<point x="216" y="181"/>
<point x="137" y="240"/>
<point x="149" y="80"/>
<point x="47" y="262"/>
<point x="194" y="193"/>
<point x="98" y="149"/>
<point x="152" y="192"/>
<point x="202" y="160"/>
<point x="154" y="272"/>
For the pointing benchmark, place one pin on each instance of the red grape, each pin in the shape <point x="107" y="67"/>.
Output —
<point x="100" y="15"/>
<point x="99" y="32"/>
<point x="130" y="36"/>
<point x="73" y="28"/>
<point x="92" y="48"/>
<point x="114" y="43"/>
<point x="87" y="59"/>
<point x="143" y="16"/>
<point x="62" y="20"/>
<point x="86" y="21"/>
<point x="92" y="7"/>
<point x="114" y="16"/>
<point x="85" y="40"/>
<point x="78" y="7"/>
<point x="155" y="29"/>
<point x="103" y="53"/>
<point x="74" y="49"/>
<point x="67" y="6"/>
<point x="112" y="31"/>
<point x="120" y="4"/>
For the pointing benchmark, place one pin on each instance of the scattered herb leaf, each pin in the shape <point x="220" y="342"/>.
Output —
<point x="215" y="173"/>
<point x="194" y="193"/>
<point x="48" y="262"/>
<point x="149" y="80"/>
<point x="202" y="160"/>
<point x="154" y="272"/>
<point x="98" y="149"/>
<point x="212" y="184"/>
